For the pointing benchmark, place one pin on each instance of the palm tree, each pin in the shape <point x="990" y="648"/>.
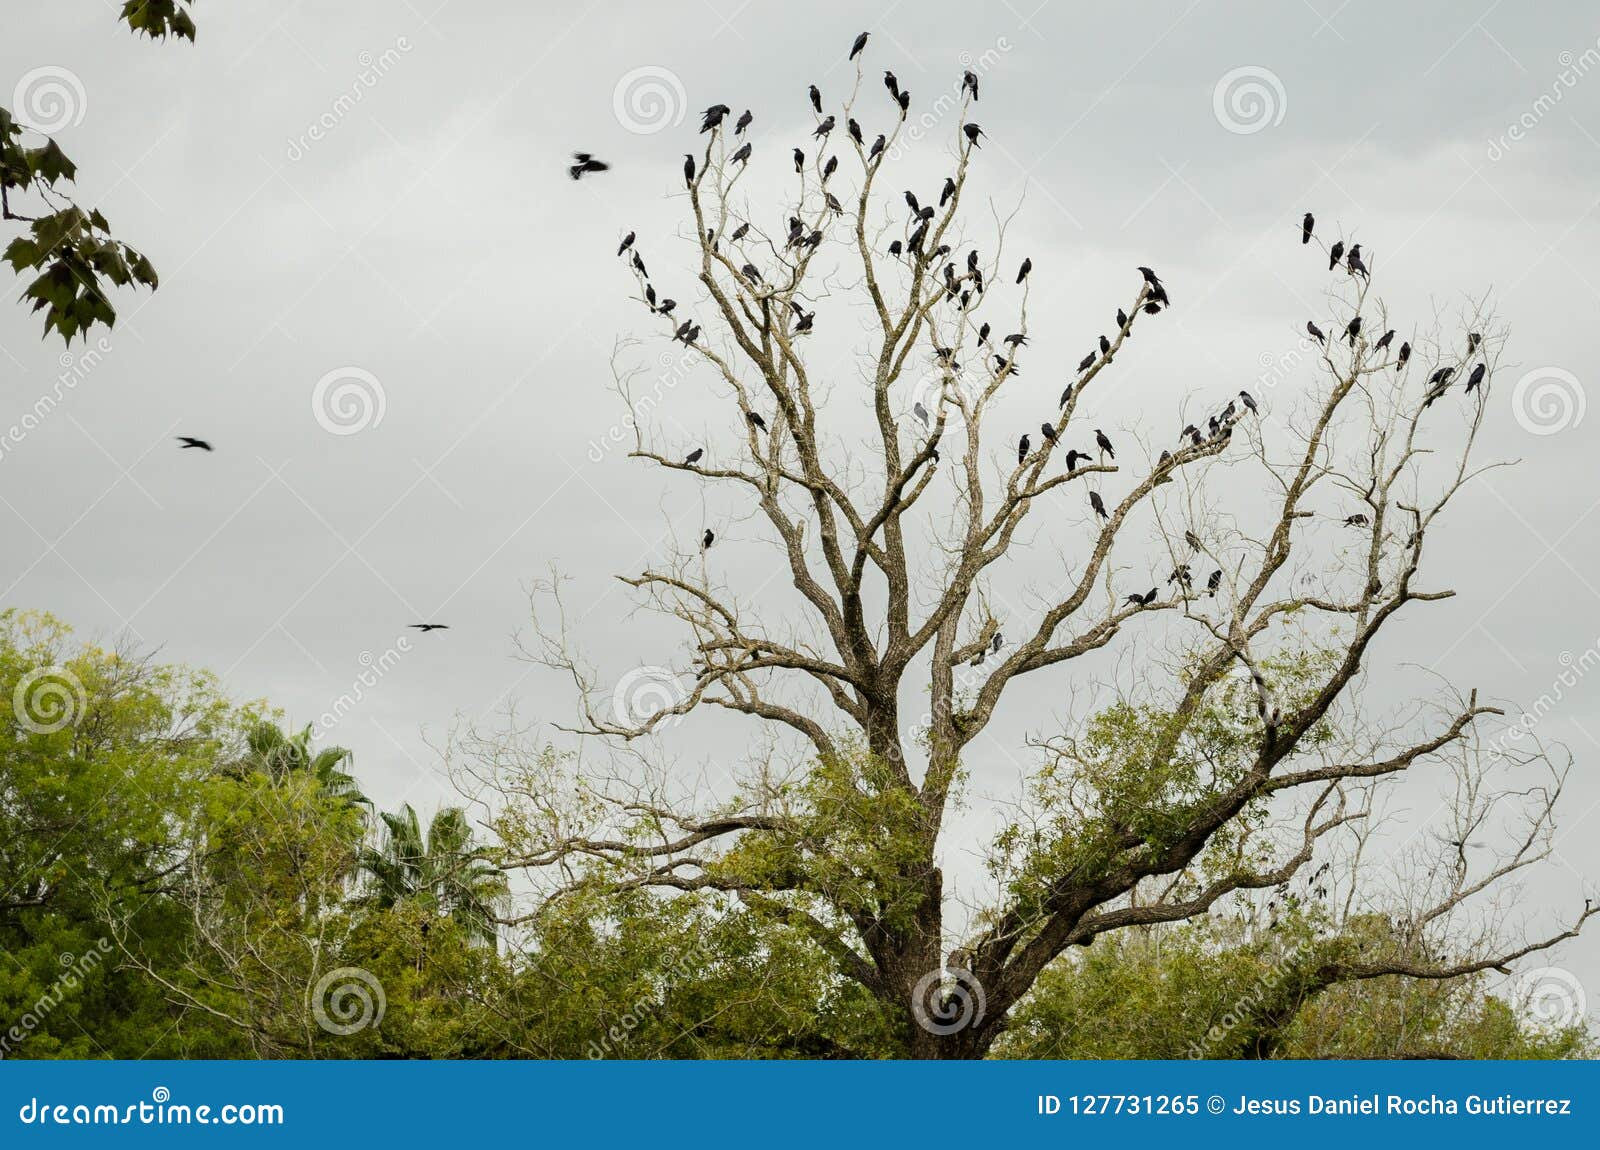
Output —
<point x="445" y="873"/>
<point x="279" y="756"/>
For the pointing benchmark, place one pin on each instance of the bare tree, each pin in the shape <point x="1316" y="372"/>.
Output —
<point x="894" y="535"/>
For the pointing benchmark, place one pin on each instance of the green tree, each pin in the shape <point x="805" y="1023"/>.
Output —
<point x="443" y="872"/>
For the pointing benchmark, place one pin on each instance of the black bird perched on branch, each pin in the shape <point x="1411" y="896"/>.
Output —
<point x="756" y="421"/>
<point x="1022" y="449"/>
<point x="823" y="128"/>
<point x="1405" y="354"/>
<point x="751" y="273"/>
<point x="1001" y="363"/>
<point x="688" y="332"/>
<point x="1356" y="520"/>
<point x="1181" y="574"/>
<point x="708" y="539"/>
<point x="745" y="119"/>
<point x="1192" y="540"/>
<point x="828" y="169"/>
<point x="1105" y="346"/>
<point x="921" y="413"/>
<point x="627" y="242"/>
<point x="713" y="116"/>
<point x="688" y="170"/>
<point x="1016" y="339"/>
<point x="1087" y="362"/>
<point x="189" y="441"/>
<point x="1098" y="504"/>
<point x="1122" y="319"/>
<point x="877" y="146"/>
<point x="891" y="82"/>
<point x="799" y="160"/>
<point x="1354" y="263"/>
<point x="742" y="230"/>
<point x="1476" y="377"/>
<point x="1249" y="402"/>
<point x="969" y="82"/>
<point x="1473" y="340"/>
<point x="904" y="100"/>
<point x="1104" y="443"/>
<point x="638" y="265"/>
<point x="1164" y="459"/>
<point x="1027" y="266"/>
<point x="1073" y="456"/>
<point x="853" y="128"/>
<point x="694" y="456"/>
<point x="1335" y="253"/>
<point x="861" y="42"/>
<point x="816" y="100"/>
<point x="1066" y="396"/>
<point x="1305" y="228"/>
<point x="742" y="155"/>
<point x="426" y="627"/>
<point x="1353" y="329"/>
<point x="948" y="190"/>
<point x="972" y="132"/>
<point x="1049" y="432"/>
<point x="911" y="202"/>
<point x="1214" y="582"/>
<point x="1316" y="332"/>
<point x="896" y="247"/>
<point x="1384" y="340"/>
<point x="584" y="163"/>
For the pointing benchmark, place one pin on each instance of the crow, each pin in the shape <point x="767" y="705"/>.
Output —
<point x="823" y="128"/>
<point x="1098" y="504"/>
<point x="1189" y="430"/>
<point x="1473" y="339"/>
<point x="1181" y="574"/>
<point x="1001" y="363"/>
<point x="189" y="441"/>
<point x="744" y="122"/>
<point x="1122" y="319"/>
<point x="969" y="82"/>
<point x="861" y="42"/>
<point x="1022" y="272"/>
<point x="1476" y="377"/>
<point x="585" y="163"/>
<point x="756" y="421"/>
<point x="1134" y="600"/>
<point x="713" y="116"/>
<point x="1105" y="346"/>
<point x="1316" y="332"/>
<point x="1022" y="449"/>
<point x="742" y="156"/>
<point x="1405" y="354"/>
<point x="742" y="230"/>
<point x="1104" y="443"/>
<point x="920" y="412"/>
<point x="1354" y="263"/>
<point x="1192" y="540"/>
<point x="948" y="191"/>
<point x="708" y="539"/>
<point x="853" y="128"/>
<point x="896" y="247"/>
<point x="1305" y="228"/>
<point x="799" y="160"/>
<point x="972" y="132"/>
<point x="828" y="169"/>
<point x="694" y="456"/>
<point x="1048" y="432"/>
<point x="1087" y="362"/>
<point x="816" y="99"/>
<point x="911" y="202"/>
<point x="1249" y="402"/>
<point x="1066" y="396"/>
<point x="751" y="273"/>
<point x="877" y="146"/>
<point x="627" y="242"/>
<point x="638" y="265"/>
<point x="1384" y="340"/>
<point x="688" y="170"/>
<point x="1016" y="339"/>
<point x="426" y="627"/>
<point x="1334" y="254"/>
<point x="1072" y="459"/>
<point x="1356" y="520"/>
<point x="904" y="100"/>
<point x="891" y="82"/>
<point x="1164" y="459"/>
<point x="1353" y="329"/>
<point x="1214" y="582"/>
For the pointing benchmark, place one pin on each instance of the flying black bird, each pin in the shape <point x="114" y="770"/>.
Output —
<point x="1316" y="332"/>
<point x="1353" y="329"/>
<point x="1086" y="362"/>
<point x="1405" y="354"/>
<point x="189" y="441"/>
<point x="1214" y="582"/>
<point x="1105" y="346"/>
<point x="584" y="163"/>
<point x="1249" y="402"/>
<point x="742" y="155"/>
<point x="891" y="82"/>
<point x="1048" y="432"/>
<point x="713" y="116"/>
<point x="969" y="82"/>
<point x="1098" y="504"/>
<point x="688" y="170"/>
<point x="708" y="539"/>
<point x="1305" y="228"/>
<point x="972" y="132"/>
<point x="694" y="456"/>
<point x="1022" y="449"/>
<point x="1384" y="340"/>
<point x="861" y="42"/>
<point x="1104" y="443"/>
<point x="1354" y="263"/>
<point x="1476" y="377"/>
<point x="823" y="128"/>
<point x="426" y="627"/>
<point x="1335" y="253"/>
<point x="744" y="122"/>
<point x="756" y="421"/>
<point x="627" y="242"/>
<point x="1073" y="456"/>
<point x="948" y="191"/>
<point x="816" y="99"/>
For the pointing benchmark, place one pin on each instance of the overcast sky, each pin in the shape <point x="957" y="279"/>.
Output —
<point x="368" y="201"/>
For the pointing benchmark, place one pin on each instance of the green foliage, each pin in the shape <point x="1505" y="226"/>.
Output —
<point x="441" y="873"/>
<point x="159" y="19"/>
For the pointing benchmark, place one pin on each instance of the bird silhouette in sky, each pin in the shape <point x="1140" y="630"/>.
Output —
<point x="583" y="163"/>
<point x="189" y="441"/>
<point x="426" y="627"/>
